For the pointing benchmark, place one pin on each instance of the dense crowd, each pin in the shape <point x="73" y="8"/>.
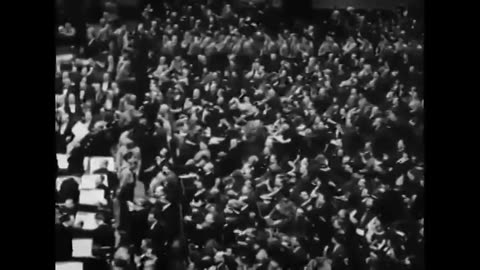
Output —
<point x="242" y="142"/>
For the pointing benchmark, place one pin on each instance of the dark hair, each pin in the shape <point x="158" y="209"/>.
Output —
<point x="120" y="263"/>
<point x="148" y="242"/>
<point x="127" y="156"/>
<point x="65" y="218"/>
<point x="100" y="217"/>
<point x="339" y="238"/>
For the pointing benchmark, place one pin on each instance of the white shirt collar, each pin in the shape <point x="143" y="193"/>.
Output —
<point x="166" y="206"/>
<point x="105" y="86"/>
<point x="199" y="192"/>
<point x="153" y="225"/>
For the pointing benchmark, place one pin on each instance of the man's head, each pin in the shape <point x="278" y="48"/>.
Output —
<point x="160" y="194"/>
<point x="261" y="256"/>
<point x="208" y="167"/>
<point x="64" y="117"/>
<point x="166" y="169"/>
<point x="69" y="203"/>
<point x="163" y="152"/>
<point x="196" y="93"/>
<point x="104" y="164"/>
<point x="246" y="190"/>
<point x="66" y="79"/>
<point x="162" y="60"/>
<point x="304" y="195"/>
<point x="99" y="180"/>
<point x="209" y="219"/>
<point x="219" y="257"/>
<point x="84" y="71"/>
<point x="369" y="202"/>
<point x="198" y="184"/>
<point x="146" y="245"/>
<point x="99" y="218"/>
<point x="151" y="217"/>
<point x="274" y="265"/>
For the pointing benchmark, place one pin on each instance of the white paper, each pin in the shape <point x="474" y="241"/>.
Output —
<point x="64" y="57"/>
<point x="69" y="266"/>
<point x="96" y="162"/>
<point x="91" y="196"/>
<point x="88" y="219"/>
<point x="62" y="161"/>
<point x="89" y="181"/>
<point x="80" y="130"/>
<point x="82" y="248"/>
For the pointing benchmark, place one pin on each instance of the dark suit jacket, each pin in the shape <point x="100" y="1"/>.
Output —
<point x="169" y="219"/>
<point x="58" y="85"/>
<point x="208" y="180"/>
<point x="89" y="93"/>
<point x="69" y="190"/>
<point x="93" y="48"/>
<point x="63" y="243"/>
<point x="61" y="139"/>
<point x="139" y="228"/>
<point x="76" y="77"/>
<point x="103" y="236"/>
<point x="159" y="239"/>
<point x="99" y="101"/>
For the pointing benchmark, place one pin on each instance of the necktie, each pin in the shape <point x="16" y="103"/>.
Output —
<point x="134" y="176"/>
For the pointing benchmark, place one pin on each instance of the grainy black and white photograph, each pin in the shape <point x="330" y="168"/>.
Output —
<point x="239" y="135"/>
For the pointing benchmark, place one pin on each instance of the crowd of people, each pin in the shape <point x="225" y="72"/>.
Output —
<point x="241" y="142"/>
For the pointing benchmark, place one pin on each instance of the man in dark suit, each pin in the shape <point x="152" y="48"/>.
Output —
<point x="58" y="83"/>
<point x="89" y="93"/>
<point x="63" y="239"/>
<point x="167" y="214"/>
<point x="103" y="235"/>
<point x="157" y="235"/>
<point x="75" y="76"/>
<point x="93" y="46"/>
<point x="69" y="190"/>
<point x="140" y="225"/>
